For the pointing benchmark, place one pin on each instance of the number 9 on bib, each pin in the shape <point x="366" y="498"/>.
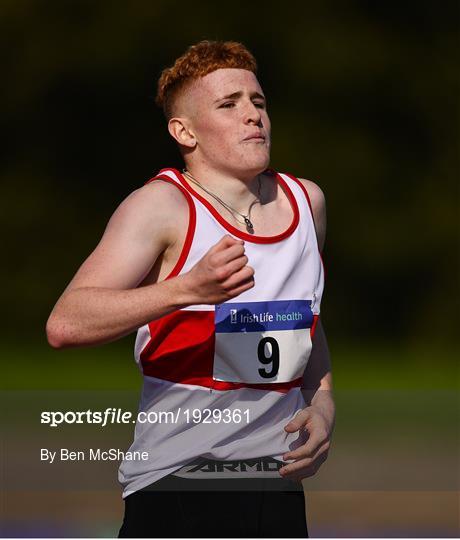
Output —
<point x="262" y="342"/>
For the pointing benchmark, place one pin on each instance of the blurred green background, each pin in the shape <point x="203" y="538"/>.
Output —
<point x="363" y="98"/>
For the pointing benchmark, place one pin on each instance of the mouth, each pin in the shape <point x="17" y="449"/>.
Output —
<point x="255" y="137"/>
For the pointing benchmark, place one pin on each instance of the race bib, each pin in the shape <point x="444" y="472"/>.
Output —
<point x="262" y="342"/>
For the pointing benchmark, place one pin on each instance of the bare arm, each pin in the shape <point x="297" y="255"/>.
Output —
<point x="317" y="379"/>
<point x="103" y="301"/>
<point x="318" y="417"/>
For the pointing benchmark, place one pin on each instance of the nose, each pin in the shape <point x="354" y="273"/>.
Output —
<point x="252" y="114"/>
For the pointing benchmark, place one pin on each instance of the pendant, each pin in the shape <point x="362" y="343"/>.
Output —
<point x="249" y="225"/>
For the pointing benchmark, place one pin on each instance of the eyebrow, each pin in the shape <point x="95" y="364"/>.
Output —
<point x="237" y="95"/>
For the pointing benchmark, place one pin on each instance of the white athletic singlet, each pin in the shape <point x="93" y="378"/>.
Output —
<point x="221" y="382"/>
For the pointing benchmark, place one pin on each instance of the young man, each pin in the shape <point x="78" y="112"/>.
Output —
<point x="218" y="269"/>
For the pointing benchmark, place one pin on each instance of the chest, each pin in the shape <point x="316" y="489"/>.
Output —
<point x="269" y="220"/>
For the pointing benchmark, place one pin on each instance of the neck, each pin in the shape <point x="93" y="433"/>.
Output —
<point x="239" y="191"/>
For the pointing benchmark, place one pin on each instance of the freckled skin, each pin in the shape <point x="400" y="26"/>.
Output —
<point x="220" y="128"/>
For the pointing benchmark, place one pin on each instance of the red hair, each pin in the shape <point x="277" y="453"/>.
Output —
<point x="197" y="61"/>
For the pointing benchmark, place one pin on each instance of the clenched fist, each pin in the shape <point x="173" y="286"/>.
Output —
<point x="220" y="275"/>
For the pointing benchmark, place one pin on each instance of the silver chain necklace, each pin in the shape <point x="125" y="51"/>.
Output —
<point x="246" y="218"/>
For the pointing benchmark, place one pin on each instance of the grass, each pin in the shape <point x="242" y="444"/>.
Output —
<point x="111" y="367"/>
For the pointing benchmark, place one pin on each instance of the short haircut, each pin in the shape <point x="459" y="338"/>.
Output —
<point x="197" y="61"/>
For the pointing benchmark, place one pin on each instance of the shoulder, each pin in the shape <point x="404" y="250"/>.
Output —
<point x="315" y="194"/>
<point x="155" y="208"/>
<point x="168" y="195"/>
<point x="318" y="206"/>
<point x="155" y="198"/>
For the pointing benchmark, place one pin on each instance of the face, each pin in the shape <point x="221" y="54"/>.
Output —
<point x="227" y="116"/>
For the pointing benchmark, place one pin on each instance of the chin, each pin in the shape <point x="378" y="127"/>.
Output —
<point x="255" y="164"/>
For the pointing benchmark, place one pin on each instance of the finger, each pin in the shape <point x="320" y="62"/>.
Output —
<point x="317" y="438"/>
<point x="244" y="286"/>
<point x="233" y="266"/>
<point x="227" y="255"/>
<point x="294" y="469"/>
<point x="303" y="466"/>
<point x="225" y="242"/>
<point x="307" y="471"/>
<point x="310" y="449"/>
<point x="298" y="422"/>
<point x="239" y="278"/>
<point x="304" y="473"/>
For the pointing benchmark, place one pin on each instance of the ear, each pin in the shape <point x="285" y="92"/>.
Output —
<point x="180" y="131"/>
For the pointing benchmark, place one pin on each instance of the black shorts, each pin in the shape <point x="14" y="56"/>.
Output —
<point x="187" y="508"/>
